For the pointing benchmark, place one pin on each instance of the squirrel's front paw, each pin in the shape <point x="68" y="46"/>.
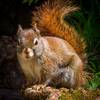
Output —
<point x="28" y="53"/>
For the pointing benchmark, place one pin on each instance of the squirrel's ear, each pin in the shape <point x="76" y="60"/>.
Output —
<point x="19" y="30"/>
<point x="36" y="29"/>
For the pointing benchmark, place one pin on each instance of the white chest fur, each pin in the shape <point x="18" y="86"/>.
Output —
<point x="30" y="67"/>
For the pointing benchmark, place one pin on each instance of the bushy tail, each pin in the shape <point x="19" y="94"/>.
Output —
<point x="50" y="20"/>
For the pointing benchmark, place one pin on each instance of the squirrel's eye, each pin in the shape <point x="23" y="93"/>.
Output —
<point x="35" y="41"/>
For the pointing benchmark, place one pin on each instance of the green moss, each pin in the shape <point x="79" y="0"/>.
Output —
<point x="78" y="94"/>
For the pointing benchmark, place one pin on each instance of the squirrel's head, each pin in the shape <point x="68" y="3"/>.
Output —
<point x="29" y="39"/>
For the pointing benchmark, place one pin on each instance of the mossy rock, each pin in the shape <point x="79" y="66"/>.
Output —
<point x="50" y="93"/>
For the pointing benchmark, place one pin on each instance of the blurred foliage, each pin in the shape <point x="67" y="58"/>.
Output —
<point x="94" y="83"/>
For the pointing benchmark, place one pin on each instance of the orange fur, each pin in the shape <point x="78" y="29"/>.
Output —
<point x="49" y="19"/>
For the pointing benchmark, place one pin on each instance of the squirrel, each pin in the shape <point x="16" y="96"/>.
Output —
<point x="52" y="52"/>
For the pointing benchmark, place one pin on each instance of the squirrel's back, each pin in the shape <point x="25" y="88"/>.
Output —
<point x="50" y="21"/>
